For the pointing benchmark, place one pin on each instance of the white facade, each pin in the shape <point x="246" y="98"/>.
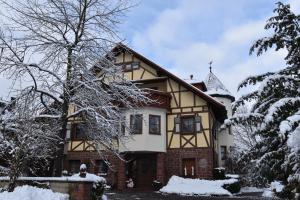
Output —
<point x="145" y="141"/>
<point x="224" y="137"/>
<point x="218" y="91"/>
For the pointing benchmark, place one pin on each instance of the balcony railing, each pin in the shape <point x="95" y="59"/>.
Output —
<point x="159" y="99"/>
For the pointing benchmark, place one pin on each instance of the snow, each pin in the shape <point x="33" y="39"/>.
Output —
<point x="32" y="193"/>
<point x="272" y="111"/>
<point x="251" y="190"/>
<point x="236" y="176"/>
<point x="90" y="177"/>
<point x="215" y="86"/>
<point x="294" y="139"/>
<point x="275" y="186"/>
<point x="218" y="91"/>
<point x="83" y="167"/>
<point x="186" y="186"/>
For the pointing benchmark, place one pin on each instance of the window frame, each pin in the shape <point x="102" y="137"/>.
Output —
<point x="74" y="136"/>
<point x="131" y="66"/>
<point x="132" y="130"/>
<point x="181" y="124"/>
<point x="159" y="124"/>
<point x="223" y="157"/>
<point x="98" y="168"/>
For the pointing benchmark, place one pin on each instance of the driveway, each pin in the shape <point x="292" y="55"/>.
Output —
<point x="158" y="196"/>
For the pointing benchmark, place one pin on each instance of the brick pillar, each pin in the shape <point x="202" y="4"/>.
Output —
<point x="121" y="176"/>
<point x="160" y="168"/>
<point x="80" y="190"/>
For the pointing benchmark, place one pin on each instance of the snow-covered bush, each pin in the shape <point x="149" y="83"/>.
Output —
<point x="234" y="187"/>
<point x="219" y="173"/>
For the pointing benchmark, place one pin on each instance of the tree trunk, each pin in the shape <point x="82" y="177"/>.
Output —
<point x="64" y="118"/>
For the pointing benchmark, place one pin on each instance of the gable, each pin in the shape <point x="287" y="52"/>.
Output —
<point x="144" y="71"/>
<point x="149" y="70"/>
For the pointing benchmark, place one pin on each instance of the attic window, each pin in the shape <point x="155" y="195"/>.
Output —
<point x="131" y="66"/>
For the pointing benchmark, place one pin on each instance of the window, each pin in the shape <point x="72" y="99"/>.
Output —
<point x="131" y="66"/>
<point x="223" y="152"/>
<point x="101" y="167"/>
<point x="187" y="124"/>
<point x="74" y="166"/>
<point x="154" y="124"/>
<point x="136" y="124"/>
<point x="78" y="131"/>
<point x="135" y="65"/>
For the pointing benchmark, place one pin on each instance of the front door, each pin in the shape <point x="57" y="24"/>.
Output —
<point x="142" y="170"/>
<point x="188" y="167"/>
<point x="145" y="172"/>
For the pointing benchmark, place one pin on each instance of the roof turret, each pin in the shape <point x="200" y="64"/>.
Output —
<point x="215" y="87"/>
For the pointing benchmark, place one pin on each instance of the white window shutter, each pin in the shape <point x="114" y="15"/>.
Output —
<point x="177" y="124"/>
<point x="198" y="123"/>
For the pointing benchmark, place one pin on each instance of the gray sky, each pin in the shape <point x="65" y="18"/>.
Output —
<point x="184" y="35"/>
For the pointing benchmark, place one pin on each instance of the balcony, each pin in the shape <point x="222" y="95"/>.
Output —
<point x="160" y="99"/>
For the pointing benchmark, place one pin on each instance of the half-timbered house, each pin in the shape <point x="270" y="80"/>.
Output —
<point x="178" y="135"/>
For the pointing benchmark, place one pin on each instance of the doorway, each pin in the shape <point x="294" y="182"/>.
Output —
<point x="189" y="167"/>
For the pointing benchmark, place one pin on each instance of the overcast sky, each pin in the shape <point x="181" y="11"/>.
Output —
<point x="184" y="35"/>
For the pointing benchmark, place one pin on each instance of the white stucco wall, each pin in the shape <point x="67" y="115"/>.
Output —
<point x="224" y="138"/>
<point x="146" y="141"/>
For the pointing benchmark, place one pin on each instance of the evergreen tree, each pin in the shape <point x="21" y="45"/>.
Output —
<point x="277" y="107"/>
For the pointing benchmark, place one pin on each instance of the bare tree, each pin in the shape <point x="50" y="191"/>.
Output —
<point x="244" y="134"/>
<point x="62" y="48"/>
<point x="25" y="141"/>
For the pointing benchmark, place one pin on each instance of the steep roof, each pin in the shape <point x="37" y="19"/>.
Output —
<point x="216" y="88"/>
<point x="217" y="107"/>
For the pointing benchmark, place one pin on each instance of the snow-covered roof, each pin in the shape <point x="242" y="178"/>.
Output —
<point x="215" y="86"/>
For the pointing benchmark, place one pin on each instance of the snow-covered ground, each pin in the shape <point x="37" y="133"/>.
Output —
<point x="275" y="186"/>
<point x="186" y="186"/>
<point x="251" y="190"/>
<point x="32" y="193"/>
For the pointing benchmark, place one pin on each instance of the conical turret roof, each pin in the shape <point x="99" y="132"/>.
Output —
<point x="215" y="87"/>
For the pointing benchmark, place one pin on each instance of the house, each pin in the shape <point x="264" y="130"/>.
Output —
<point x="176" y="135"/>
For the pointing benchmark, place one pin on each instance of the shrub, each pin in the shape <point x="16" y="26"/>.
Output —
<point x="233" y="187"/>
<point x="219" y="173"/>
<point x="98" y="190"/>
<point x="156" y="185"/>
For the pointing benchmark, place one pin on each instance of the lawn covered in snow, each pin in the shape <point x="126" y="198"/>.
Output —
<point x="186" y="186"/>
<point x="32" y="193"/>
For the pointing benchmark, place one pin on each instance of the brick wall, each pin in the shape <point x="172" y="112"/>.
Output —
<point x="161" y="168"/>
<point x="203" y="161"/>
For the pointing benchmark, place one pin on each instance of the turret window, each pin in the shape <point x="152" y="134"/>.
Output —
<point x="223" y="152"/>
